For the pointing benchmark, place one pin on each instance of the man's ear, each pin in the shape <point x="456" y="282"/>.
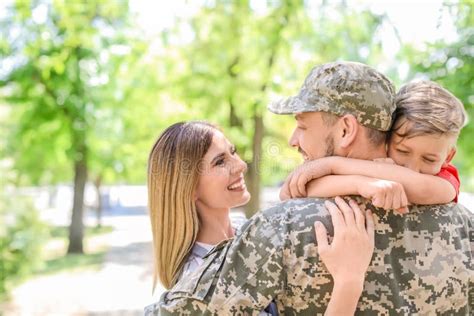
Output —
<point x="450" y="156"/>
<point x="349" y="127"/>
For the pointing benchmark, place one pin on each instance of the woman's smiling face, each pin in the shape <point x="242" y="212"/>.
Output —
<point x="221" y="183"/>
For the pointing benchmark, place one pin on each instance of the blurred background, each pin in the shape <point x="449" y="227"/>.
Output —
<point x="86" y="87"/>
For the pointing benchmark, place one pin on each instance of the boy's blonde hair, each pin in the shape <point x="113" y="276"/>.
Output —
<point x="429" y="108"/>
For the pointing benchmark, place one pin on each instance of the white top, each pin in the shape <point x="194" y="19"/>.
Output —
<point x="195" y="259"/>
<point x="200" y="249"/>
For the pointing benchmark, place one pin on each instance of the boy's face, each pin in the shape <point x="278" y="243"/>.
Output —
<point x="425" y="153"/>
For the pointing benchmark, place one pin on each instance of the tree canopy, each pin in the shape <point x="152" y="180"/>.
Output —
<point x="85" y="92"/>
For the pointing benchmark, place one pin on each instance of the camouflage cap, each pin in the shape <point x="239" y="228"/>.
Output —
<point x="344" y="88"/>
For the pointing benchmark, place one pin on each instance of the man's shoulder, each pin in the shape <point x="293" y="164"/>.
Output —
<point x="294" y="215"/>
<point x="445" y="216"/>
<point x="300" y="214"/>
<point x="451" y="209"/>
<point x="304" y="206"/>
<point x="296" y="205"/>
<point x="316" y="206"/>
<point x="295" y="210"/>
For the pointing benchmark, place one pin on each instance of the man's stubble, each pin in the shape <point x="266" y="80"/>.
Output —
<point x="329" y="141"/>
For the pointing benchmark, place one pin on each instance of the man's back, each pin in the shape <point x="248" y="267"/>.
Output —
<point x="422" y="263"/>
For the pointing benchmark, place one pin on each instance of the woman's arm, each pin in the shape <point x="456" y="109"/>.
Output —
<point x="420" y="188"/>
<point x="348" y="256"/>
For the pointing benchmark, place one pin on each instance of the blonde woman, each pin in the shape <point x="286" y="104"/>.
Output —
<point x="195" y="177"/>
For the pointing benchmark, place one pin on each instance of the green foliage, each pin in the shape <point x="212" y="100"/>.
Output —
<point x="240" y="58"/>
<point x="21" y="236"/>
<point x="66" y="64"/>
<point x="85" y="74"/>
<point x="68" y="80"/>
<point x="452" y="65"/>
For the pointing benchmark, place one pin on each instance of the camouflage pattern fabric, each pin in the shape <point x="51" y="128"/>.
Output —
<point x="422" y="264"/>
<point x="344" y="88"/>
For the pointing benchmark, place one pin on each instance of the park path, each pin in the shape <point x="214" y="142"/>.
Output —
<point x="122" y="285"/>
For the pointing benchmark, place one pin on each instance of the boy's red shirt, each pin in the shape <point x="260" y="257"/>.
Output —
<point x="450" y="173"/>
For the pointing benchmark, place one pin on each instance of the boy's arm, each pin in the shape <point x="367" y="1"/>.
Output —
<point x="420" y="188"/>
<point x="382" y="193"/>
<point x="334" y="185"/>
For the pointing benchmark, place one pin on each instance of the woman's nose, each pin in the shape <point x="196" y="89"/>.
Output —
<point x="240" y="166"/>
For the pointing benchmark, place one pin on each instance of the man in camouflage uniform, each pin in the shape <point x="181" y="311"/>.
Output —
<point x="422" y="262"/>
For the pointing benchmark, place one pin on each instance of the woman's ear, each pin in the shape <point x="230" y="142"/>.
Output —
<point x="348" y="129"/>
<point x="449" y="157"/>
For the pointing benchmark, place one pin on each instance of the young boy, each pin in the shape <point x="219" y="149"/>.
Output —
<point x="421" y="145"/>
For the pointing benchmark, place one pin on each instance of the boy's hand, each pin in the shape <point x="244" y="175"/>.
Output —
<point x="295" y="183"/>
<point x="385" y="194"/>
<point x="284" y="193"/>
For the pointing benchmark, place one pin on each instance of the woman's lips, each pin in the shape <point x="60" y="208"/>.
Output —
<point x="237" y="185"/>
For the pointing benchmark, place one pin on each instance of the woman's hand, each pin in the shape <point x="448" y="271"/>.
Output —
<point x="348" y="256"/>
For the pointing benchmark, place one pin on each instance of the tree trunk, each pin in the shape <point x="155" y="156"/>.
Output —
<point x="76" y="229"/>
<point x="99" y="207"/>
<point x="253" y="174"/>
<point x="254" y="166"/>
<point x="234" y="120"/>
<point x="79" y="131"/>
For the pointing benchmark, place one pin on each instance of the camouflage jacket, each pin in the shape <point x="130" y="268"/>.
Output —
<point x="422" y="264"/>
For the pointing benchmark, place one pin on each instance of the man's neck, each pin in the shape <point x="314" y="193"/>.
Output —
<point x="369" y="153"/>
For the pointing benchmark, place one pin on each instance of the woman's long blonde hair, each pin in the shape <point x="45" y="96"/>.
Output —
<point x="173" y="174"/>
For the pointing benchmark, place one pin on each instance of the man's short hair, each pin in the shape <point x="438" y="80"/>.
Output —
<point x="375" y="137"/>
<point x="429" y="108"/>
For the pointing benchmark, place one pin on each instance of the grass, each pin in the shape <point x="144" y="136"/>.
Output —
<point x="57" y="260"/>
<point x="71" y="262"/>
<point x="63" y="231"/>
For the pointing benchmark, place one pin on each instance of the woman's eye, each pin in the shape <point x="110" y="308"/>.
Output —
<point x="402" y="151"/>
<point x="219" y="162"/>
<point x="429" y="160"/>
